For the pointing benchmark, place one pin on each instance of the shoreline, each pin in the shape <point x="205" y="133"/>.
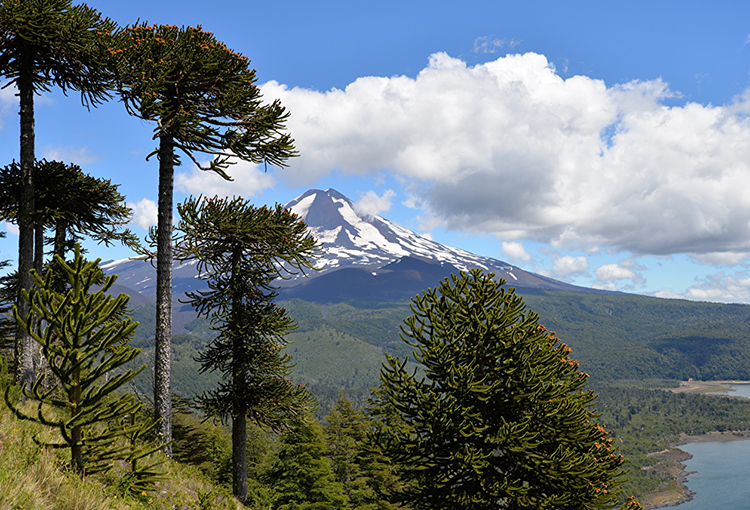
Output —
<point x="691" y="386"/>
<point x="673" y="459"/>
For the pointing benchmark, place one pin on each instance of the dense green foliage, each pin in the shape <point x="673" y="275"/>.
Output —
<point x="83" y="336"/>
<point x="45" y="43"/>
<point x="367" y="478"/>
<point x="69" y="202"/>
<point x="63" y="43"/>
<point x="241" y="250"/>
<point x="500" y="417"/>
<point x="302" y="477"/>
<point x="636" y="337"/>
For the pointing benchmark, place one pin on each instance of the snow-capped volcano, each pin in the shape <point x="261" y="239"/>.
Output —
<point x="354" y="239"/>
<point x="365" y="257"/>
<point x="351" y="239"/>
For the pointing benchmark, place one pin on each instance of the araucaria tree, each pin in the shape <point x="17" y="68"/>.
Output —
<point x="500" y="417"/>
<point x="203" y="99"/>
<point x="84" y="337"/>
<point x="69" y="202"/>
<point x="241" y="250"/>
<point x="44" y="44"/>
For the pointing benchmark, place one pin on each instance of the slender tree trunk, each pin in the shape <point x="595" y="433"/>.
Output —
<point x="239" y="450"/>
<point x="38" y="247"/>
<point x="163" y="341"/>
<point x="25" y="347"/>
<point x="59" y="246"/>
<point x="239" y="402"/>
<point x="76" y="450"/>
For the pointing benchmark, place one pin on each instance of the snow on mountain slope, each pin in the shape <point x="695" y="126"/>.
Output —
<point x="353" y="239"/>
<point x="350" y="241"/>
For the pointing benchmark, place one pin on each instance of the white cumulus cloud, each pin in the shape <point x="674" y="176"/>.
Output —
<point x="372" y="204"/>
<point x="609" y="272"/>
<point x="144" y="213"/>
<point x="511" y="148"/>
<point x="722" y="287"/>
<point x="569" y="265"/>
<point x="248" y="180"/>
<point x="515" y="251"/>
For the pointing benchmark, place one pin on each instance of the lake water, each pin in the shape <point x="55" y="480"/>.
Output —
<point x="721" y="481"/>
<point x="740" y="390"/>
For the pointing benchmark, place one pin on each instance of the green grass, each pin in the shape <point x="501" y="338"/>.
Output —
<point x="34" y="477"/>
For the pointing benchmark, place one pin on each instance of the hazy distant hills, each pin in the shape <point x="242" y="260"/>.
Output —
<point x="366" y="258"/>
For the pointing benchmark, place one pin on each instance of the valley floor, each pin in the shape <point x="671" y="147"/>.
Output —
<point x="691" y="386"/>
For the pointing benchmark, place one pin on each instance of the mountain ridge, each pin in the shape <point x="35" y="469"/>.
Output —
<point x="367" y="248"/>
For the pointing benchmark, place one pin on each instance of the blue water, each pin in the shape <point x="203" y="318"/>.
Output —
<point x="740" y="390"/>
<point x="721" y="480"/>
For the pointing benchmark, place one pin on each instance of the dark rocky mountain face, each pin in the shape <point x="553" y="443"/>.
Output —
<point x="366" y="258"/>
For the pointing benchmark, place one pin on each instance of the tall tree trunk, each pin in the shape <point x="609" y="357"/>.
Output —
<point x="38" y="247"/>
<point x="239" y="450"/>
<point x="59" y="245"/>
<point x="163" y="341"/>
<point x="25" y="347"/>
<point x="239" y="402"/>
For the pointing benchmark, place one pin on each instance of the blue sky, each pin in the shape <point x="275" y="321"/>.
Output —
<point x="604" y="145"/>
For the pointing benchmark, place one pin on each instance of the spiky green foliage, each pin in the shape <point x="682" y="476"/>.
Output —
<point x="46" y="43"/>
<point x="365" y="476"/>
<point x="500" y="417"/>
<point x="301" y="477"/>
<point x="84" y="338"/>
<point x="203" y="99"/>
<point x="241" y="250"/>
<point x="61" y="42"/>
<point x="200" y="93"/>
<point x="70" y="202"/>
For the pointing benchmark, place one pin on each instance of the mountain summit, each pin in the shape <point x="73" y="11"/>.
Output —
<point x="365" y="257"/>
<point x="374" y="244"/>
<point x="354" y="239"/>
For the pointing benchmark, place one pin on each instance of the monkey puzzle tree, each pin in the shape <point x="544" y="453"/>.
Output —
<point x="241" y="250"/>
<point x="500" y="417"/>
<point x="68" y="201"/>
<point x="84" y="337"/>
<point x="203" y="99"/>
<point x="44" y="44"/>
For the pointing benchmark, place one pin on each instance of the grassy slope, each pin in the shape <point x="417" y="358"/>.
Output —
<point x="33" y="477"/>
